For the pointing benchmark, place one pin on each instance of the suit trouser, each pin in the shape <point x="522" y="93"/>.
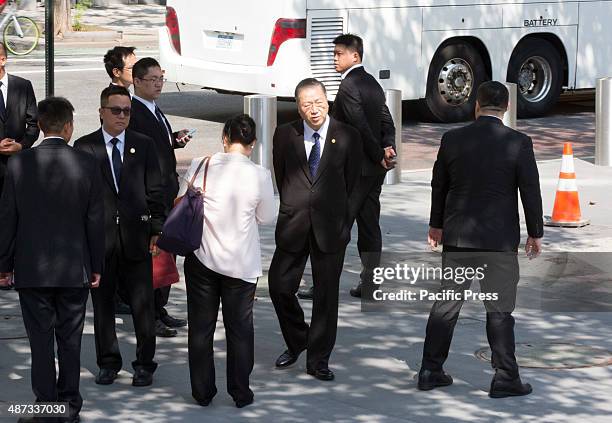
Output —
<point x="501" y="278"/>
<point x="136" y="277"/>
<point x="161" y="295"/>
<point x="59" y="313"/>
<point x="364" y="206"/>
<point x="284" y="278"/>
<point x="205" y="288"/>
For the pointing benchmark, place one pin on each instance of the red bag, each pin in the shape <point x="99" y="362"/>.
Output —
<point x="164" y="270"/>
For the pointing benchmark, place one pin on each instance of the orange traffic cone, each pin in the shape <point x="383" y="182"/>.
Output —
<point x="566" y="211"/>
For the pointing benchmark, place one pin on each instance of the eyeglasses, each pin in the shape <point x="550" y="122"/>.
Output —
<point x="155" y="80"/>
<point x="118" y="110"/>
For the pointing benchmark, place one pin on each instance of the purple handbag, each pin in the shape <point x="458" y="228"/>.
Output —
<point x="182" y="230"/>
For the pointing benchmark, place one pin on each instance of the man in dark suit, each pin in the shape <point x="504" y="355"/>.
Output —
<point x="56" y="254"/>
<point x="147" y="118"/>
<point x="316" y="164"/>
<point x="474" y="215"/>
<point x="360" y="102"/>
<point x="133" y="202"/>
<point x="119" y="62"/>
<point x="18" y="114"/>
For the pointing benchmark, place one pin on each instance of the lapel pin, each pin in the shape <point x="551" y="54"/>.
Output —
<point x="333" y="140"/>
<point x="132" y="150"/>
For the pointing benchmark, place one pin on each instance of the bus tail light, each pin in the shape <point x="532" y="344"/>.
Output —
<point x="285" y="29"/>
<point x="173" y="28"/>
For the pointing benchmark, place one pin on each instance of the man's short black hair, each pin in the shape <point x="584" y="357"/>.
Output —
<point x="112" y="90"/>
<point x="493" y="95"/>
<point x="352" y="42"/>
<point x="308" y="82"/>
<point x="54" y="113"/>
<point x="115" y="58"/>
<point x="141" y="67"/>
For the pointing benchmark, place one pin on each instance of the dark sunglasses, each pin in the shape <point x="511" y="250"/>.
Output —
<point x="117" y="110"/>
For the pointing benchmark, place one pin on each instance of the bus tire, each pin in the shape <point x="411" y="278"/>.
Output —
<point x="454" y="75"/>
<point x="536" y="67"/>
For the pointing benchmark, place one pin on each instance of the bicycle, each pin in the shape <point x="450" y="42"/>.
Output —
<point x="21" y="34"/>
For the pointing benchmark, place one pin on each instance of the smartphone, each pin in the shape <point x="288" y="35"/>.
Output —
<point x="190" y="133"/>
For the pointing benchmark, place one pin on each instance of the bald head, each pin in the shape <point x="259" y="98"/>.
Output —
<point x="2" y="50"/>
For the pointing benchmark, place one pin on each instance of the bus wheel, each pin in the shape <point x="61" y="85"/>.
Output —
<point x="535" y="66"/>
<point x="454" y="76"/>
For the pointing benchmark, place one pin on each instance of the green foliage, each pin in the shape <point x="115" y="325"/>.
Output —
<point x="79" y="10"/>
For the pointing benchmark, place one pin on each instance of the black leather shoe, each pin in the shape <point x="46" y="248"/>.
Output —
<point x="173" y="322"/>
<point x="204" y="403"/>
<point x="122" y="308"/>
<point x="286" y="359"/>
<point x="429" y="380"/>
<point x="503" y="389"/>
<point x="244" y="403"/>
<point x="106" y="376"/>
<point x="142" y="377"/>
<point x="356" y="291"/>
<point x="306" y="294"/>
<point x="163" y="331"/>
<point x="321" y="374"/>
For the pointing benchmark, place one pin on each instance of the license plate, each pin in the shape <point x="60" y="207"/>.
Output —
<point x="225" y="41"/>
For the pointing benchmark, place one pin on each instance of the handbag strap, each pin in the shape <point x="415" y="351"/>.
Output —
<point x="207" y="160"/>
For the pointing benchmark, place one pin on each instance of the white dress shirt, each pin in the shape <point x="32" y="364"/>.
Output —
<point x="129" y="91"/>
<point x="4" y="87"/>
<point x="109" y="151"/>
<point x="346" y="72"/>
<point x="309" y="139"/>
<point x="239" y="195"/>
<point x="151" y="106"/>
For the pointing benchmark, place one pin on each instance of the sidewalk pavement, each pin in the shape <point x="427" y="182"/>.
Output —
<point x="377" y="355"/>
<point x="129" y="24"/>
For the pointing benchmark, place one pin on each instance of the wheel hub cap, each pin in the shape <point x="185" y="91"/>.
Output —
<point x="455" y="82"/>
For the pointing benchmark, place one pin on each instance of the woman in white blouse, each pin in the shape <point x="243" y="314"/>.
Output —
<point x="239" y="195"/>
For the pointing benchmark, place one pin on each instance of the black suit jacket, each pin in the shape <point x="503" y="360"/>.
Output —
<point x="361" y="103"/>
<point x="21" y="117"/>
<point x="319" y="203"/>
<point x="52" y="216"/>
<point x="476" y="176"/>
<point x="139" y="204"/>
<point x="143" y="121"/>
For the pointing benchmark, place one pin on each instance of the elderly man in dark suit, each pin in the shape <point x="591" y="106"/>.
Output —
<point x="148" y="119"/>
<point x="477" y="175"/>
<point x="316" y="163"/>
<point x="18" y="114"/>
<point x="133" y="202"/>
<point x="52" y="238"/>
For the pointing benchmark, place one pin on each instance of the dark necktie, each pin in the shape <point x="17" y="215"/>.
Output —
<point x="315" y="155"/>
<point x="2" y="104"/>
<point x="162" y="121"/>
<point x="117" y="164"/>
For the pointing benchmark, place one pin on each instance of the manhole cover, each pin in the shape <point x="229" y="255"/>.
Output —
<point x="11" y="327"/>
<point x="555" y="355"/>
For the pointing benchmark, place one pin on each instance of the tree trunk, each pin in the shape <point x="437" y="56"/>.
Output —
<point x="61" y="17"/>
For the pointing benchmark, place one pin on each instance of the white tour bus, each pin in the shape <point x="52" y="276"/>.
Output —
<point x="438" y="51"/>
